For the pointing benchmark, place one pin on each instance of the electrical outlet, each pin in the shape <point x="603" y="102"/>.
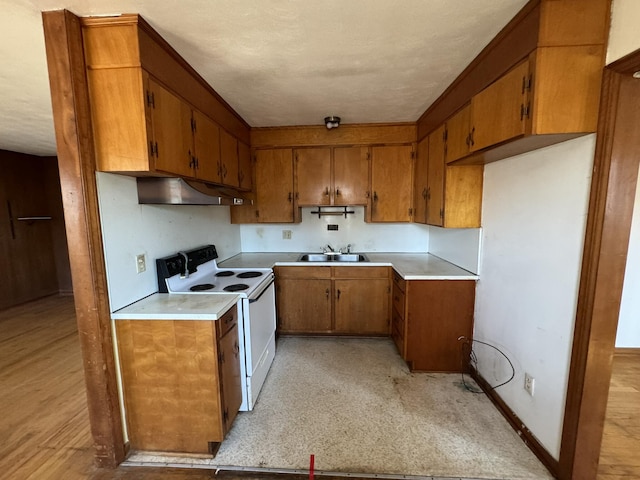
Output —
<point x="529" y="384"/>
<point x="286" y="234"/>
<point x="141" y="263"/>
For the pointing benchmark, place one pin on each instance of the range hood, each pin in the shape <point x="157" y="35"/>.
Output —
<point x="177" y="191"/>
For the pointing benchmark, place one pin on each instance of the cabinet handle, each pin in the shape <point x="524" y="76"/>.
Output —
<point x="326" y="191"/>
<point x="192" y="163"/>
<point x="224" y="171"/>
<point x="473" y="130"/>
<point x="219" y="169"/>
<point x="368" y="194"/>
<point x="428" y="193"/>
<point x="338" y="192"/>
<point x="236" y="348"/>
<point x="240" y="177"/>
<point x="327" y="292"/>
<point x="375" y="196"/>
<point x="424" y="193"/>
<point x="290" y="197"/>
<point x="339" y="294"/>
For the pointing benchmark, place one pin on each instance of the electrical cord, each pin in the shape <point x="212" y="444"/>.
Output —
<point x="473" y="360"/>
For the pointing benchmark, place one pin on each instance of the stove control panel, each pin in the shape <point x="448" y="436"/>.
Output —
<point x="175" y="264"/>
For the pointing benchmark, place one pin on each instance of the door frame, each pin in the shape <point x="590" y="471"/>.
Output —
<point x="611" y="203"/>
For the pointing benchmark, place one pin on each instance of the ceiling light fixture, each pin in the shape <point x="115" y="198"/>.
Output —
<point x="332" y="122"/>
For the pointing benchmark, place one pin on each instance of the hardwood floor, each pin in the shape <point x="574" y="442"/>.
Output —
<point x="619" y="455"/>
<point x="45" y="429"/>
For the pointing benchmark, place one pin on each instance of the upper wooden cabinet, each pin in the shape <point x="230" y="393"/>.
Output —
<point x="274" y="197"/>
<point x="245" y="171"/>
<point x="391" y="183"/>
<point x="420" y="186"/>
<point x="435" y="178"/>
<point x="332" y="176"/>
<point x="537" y="83"/>
<point x="151" y="112"/>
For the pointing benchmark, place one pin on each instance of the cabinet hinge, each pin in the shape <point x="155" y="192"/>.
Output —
<point x="529" y="83"/>
<point x="257" y="213"/>
<point x="225" y="415"/>
<point x="368" y="155"/>
<point x="411" y="212"/>
<point x="445" y="135"/>
<point x="524" y="111"/>
<point x="193" y="125"/>
<point x="442" y="213"/>
<point x="413" y="154"/>
<point x="153" y="149"/>
<point x="151" y="99"/>
<point x="220" y="357"/>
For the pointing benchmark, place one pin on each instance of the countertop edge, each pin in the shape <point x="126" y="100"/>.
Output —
<point x="224" y="307"/>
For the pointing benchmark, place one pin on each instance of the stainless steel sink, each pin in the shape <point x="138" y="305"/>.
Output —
<point x="333" y="257"/>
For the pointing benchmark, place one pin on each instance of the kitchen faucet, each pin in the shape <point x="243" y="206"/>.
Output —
<point x="327" y="248"/>
<point x="346" y="249"/>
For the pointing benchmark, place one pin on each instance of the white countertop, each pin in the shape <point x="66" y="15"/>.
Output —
<point x="411" y="266"/>
<point x="178" y="306"/>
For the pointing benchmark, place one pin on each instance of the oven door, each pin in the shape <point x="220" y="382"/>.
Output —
<point x="260" y="326"/>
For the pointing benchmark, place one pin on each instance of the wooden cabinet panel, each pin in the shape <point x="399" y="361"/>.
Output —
<point x="230" y="379"/>
<point x="303" y="272"/>
<point x="420" y="182"/>
<point x="313" y="176"/>
<point x="304" y="305"/>
<point x="463" y="196"/>
<point x="207" y="148"/>
<point x="274" y="185"/>
<point x="171" y="384"/>
<point x="362" y="306"/>
<point x="497" y="112"/>
<point x="435" y="178"/>
<point x="351" y="175"/>
<point x="172" y="134"/>
<point x="438" y="313"/>
<point x="228" y="159"/>
<point x="245" y="171"/>
<point x="457" y="136"/>
<point x="391" y="183"/>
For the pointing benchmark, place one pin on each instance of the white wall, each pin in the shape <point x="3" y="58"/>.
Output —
<point x="311" y="235"/>
<point x="624" y="39"/>
<point x="130" y="229"/>
<point x="460" y="246"/>
<point x="534" y="214"/>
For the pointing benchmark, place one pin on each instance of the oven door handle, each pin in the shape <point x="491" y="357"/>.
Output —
<point x="251" y="300"/>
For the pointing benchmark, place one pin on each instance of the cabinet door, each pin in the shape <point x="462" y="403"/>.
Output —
<point x="463" y="196"/>
<point x="351" y="175"/>
<point x="171" y="120"/>
<point x="229" y="355"/>
<point x="229" y="159"/>
<point x="438" y="313"/>
<point x="435" y="178"/>
<point x="497" y="112"/>
<point x="457" y="136"/>
<point x="420" y="175"/>
<point x="245" y="181"/>
<point x="313" y="176"/>
<point x="207" y="148"/>
<point x="362" y="306"/>
<point x="304" y="305"/>
<point x="274" y="185"/>
<point x="391" y="183"/>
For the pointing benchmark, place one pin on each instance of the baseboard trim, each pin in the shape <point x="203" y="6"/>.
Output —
<point x="521" y="429"/>
<point x="627" y="351"/>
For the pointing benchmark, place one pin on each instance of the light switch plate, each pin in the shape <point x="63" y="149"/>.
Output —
<point x="141" y="263"/>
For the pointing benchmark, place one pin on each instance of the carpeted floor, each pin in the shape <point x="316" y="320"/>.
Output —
<point x="355" y="406"/>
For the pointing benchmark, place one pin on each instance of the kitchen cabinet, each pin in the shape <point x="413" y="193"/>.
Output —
<point x="245" y="170"/>
<point x="420" y="184"/>
<point x="332" y="176"/>
<point x="304" y="299"/>
<point x="181" y="382"/>
<point x="454" y="193"/>
<point x="229" y="173"/>
<point x="428" y="318"/>
<point x="207" y="148"/>
<point x="333" y="300"/>
<point x="391" y="183"/>
<point x="274" y="198"/>
<point x="458" y="134"/>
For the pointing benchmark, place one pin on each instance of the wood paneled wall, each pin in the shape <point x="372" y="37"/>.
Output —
<point x="33" y="254"/>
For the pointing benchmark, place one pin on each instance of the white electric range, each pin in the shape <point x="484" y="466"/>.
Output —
<point x="196" y="272"/>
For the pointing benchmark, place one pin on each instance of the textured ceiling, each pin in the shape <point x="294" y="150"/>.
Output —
<point x="277" y="62"/>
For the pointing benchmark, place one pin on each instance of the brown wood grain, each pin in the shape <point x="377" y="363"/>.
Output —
<point x="274" y="186"/>
<point x="304" y="305"/>
<point x="435" y="178"/>
<point x="573" y="22"/>
<point x="391" y="183"/>
<point x="420" y="181"/>
<point x="207" y="149"/>
<point x="319" y="135"/>
<point x="458" y="129"/>
<point x="604" y="259"/>
<point x="362" y="306"/>
<point x="245" y="167"/>
<point x="72" y="122"/>
<point x="438" y="313"/>
<point x="313" y="176"/>
<point x="350" y="175"/>
<point x="229" y="159"/>
<point x="463" y="196"/>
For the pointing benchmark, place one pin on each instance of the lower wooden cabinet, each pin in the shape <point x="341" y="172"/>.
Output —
<point x="181" y="382"/>
<point x="333" y="300"/>
<point x="428" y="318"/>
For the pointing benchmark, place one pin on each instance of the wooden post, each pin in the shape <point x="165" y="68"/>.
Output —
<point x="72" y="120"/>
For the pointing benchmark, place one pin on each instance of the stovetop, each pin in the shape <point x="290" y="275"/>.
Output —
<point x="196" y="271"/>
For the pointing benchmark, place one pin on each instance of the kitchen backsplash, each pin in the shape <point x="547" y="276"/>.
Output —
<point x="457" y="245"/>
<point x="312" y="234"/>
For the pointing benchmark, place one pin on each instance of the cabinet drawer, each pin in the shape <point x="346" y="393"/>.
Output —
<point x="399" y="281"/>
<point x="398" y="300"/>
<point x="303" y="272"/>
<point x="227" y="321"/>
<point x="360" y="272"/>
